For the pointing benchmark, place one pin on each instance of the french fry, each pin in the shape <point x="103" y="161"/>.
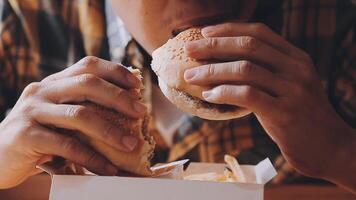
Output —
<point x="232" y="173"/>
<point x="230" y="177"/>
<point x="235" y="167"/>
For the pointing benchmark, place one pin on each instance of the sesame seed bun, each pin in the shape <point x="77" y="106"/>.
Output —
<point x="169" y="62"/>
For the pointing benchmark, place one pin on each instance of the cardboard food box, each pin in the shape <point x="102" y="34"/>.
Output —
<point x="168" y="187"/>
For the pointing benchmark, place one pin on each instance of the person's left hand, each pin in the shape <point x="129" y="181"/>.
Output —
<point x="262" y="72"/>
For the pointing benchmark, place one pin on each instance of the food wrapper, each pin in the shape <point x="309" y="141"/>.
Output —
<point x="172" y="184"/>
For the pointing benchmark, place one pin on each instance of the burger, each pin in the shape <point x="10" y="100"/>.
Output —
<point x="138" y="161"/>
<point x="169" y="62"/>
<point x="134" y="163"/>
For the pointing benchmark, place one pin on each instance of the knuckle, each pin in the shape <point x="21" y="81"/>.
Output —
<point x="88" y="61"/>
<point x="247" y="43"/>
<point x="211" y="43"/>
<point x="32" y="89"/>
<point x="245" y="68"/>
<point x="114" y="67"/>
<point x="27" y="127"/>
<point x="88" y="79"/>
<point x="28" y="107"/>
<point x="210" y="70"/>
<point x="229" y="26"/>
<point x="49" y="78"/>
<point x="260" y="28"/>
<point x="77" y="112"/>
<point x="223" y="92"/>
<point x="70" y="145"/>
<point x="119" y="93"/>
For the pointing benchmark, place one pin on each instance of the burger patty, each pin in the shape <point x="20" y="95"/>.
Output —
<point x="148" y="137"/>
<point x="223" y="108"/>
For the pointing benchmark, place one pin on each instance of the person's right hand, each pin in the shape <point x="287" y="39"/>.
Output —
<point x="26" y="139"/>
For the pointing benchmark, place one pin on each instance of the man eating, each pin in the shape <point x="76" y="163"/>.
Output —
<point x="290" y="62"/>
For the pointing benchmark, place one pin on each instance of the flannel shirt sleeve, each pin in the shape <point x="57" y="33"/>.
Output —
<point x="10" y="29"/>
<point x="344" y="92"/>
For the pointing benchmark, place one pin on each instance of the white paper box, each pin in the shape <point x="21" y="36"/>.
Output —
<point x="127" y="188"/>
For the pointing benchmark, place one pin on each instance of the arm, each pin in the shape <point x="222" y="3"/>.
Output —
<point x="343" y="171"/>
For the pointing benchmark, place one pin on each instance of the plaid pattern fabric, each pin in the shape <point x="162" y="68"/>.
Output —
<point x="40" y="37"/>
<point x="71" y="29"/>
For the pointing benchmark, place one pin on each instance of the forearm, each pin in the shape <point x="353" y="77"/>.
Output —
<point x="343" y="172"/>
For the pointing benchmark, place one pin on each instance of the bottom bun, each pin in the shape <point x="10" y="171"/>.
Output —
<point x="200" y="108"/>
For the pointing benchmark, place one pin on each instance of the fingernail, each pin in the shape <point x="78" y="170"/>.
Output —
<point x="189" y="74"/>
<point x="129" y="142"/>
<point x="132" y="79"/>
<point x="139" y="107"/>
<point x="111" y="170"/>
<point x="207" y="31"/>
<point x="207" y="95"/>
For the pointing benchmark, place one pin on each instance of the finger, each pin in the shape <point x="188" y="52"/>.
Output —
<point x="112" y="72"/>
<point x="256" y="30"/>
<point x="239" y="72"/>
<point x="87" y="87"/>
<point x="243" y="96"/>
<point x="36" y="171"/>
<point x="49" y="142"/>
<point x="44" y="159"/>
<point x="87" y="121"/>
<point x="241" y="48"/>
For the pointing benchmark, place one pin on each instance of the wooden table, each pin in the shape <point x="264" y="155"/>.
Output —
<point x="37" y="188"/>
<point x="307" y="192"/>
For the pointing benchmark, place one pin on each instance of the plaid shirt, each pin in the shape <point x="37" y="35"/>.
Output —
<point x="40" y="37"/>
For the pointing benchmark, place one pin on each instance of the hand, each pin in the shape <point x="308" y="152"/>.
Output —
<point x="26" y="139"/>
<point x="262" y="72"/>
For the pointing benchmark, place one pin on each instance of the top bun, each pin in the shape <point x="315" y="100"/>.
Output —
<point x="169" y="62"/>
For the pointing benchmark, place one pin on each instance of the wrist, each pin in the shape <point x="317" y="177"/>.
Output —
<point x="342" y="170"/>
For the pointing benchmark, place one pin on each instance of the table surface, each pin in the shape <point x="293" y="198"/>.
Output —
<point x="37" y="188"/>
